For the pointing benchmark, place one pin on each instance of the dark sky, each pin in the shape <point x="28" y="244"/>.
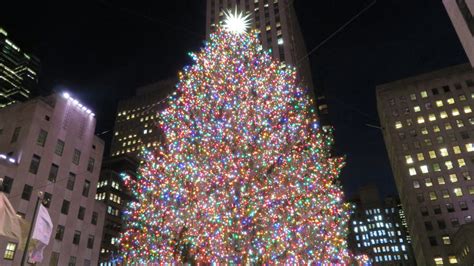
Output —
<point x="102" y="50"/>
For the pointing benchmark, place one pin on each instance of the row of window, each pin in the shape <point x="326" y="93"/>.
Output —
<point x="424" y="93"/>
<point x="442" y="226"/>
<point x="449" y="209"/>
<point x="435" y="167"/>
<point x="432" y="117"/>
<point x="453" y="178"/>
<point x="443" y="152"/>
<point x="435" y="195"/>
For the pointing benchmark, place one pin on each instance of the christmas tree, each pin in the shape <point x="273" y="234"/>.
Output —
<point x="245" y="175"/>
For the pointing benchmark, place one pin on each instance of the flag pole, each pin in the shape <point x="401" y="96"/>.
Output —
<point x="38" y="200"/>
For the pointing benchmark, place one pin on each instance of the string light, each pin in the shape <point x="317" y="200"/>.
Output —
<point x="245" y="175"/>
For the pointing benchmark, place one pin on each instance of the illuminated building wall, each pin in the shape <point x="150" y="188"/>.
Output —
<point x="428" y="127"/>
<point x="377" y="229"/>
<point x="280" y="32"/>
<point x="51" y="147"/>
<point x="18" y="72"/>
<point x="136" y="121"/>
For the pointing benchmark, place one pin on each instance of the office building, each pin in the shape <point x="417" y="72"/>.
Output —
<point x="428" y="128"/>
<point x="136" y="123"/>
<point x="279" y="31"/>
<point x="378" y="229"/>
<point x="18" y="72"/>
<point x="48" y="144"/>
<point x="461" y="14"/>
<point x="463" y="244"/>
<point x="112" y="192"/>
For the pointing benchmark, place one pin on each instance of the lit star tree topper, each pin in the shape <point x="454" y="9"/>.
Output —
<point x="236" y="22"/>
<point x="245" y="175"/>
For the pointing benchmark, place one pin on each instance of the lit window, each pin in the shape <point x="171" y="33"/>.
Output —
<point x="424" y="169"/>
<point x="455" y="112"/>
<point x="436" y="167"/>
<point x="438" y="261"/>
<point x="441" y="180"/>
<point x="416" y="109"/>
<point x="280" y="41"/>
<point x="423" y="94"/>
<point x="436" y="129"/>
<point x="408" y="159"/>
<point x="443" y="114"/>
<point x="428" y="182"/>
<point x="470" y="147"/>
<point x="398" y="124"/>
<point x="439" y="103"/>
<point x="432" y="117"/>
<point x="448" y="126"/>
<point x="424" y="131"/>
<point x="453" y="260"/>
<point x="420" y="156"/>
<point x="416" y="184"/>
<point x="420" y="120"/>
<point x="461" y="162"/>
<point x="443" y="152"/>
<point x="453" y="178"/>
<point x="433" y="195"/>
<point x="457" y="149"/>
<point x="459" y="123"/>
<point x="10" y="251"/>
<point x="467" y="109"/>
<point x="445" y="193"/>
<point x="450" y="101"/>
<point x="446" y="240"/>
<point x="413" y="97"/>
<point x="432" y="154"/>
<point x="458" y="192"/>
<point x="449" y="165"/>
<point x="412" y="171"/>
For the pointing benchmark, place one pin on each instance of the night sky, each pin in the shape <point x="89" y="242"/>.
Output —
<point x="101" y="51"/>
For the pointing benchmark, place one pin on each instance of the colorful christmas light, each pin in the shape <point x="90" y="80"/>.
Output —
<point x="245" y="174"/>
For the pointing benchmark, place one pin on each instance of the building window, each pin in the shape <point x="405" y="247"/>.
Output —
<point x="433" y="195"/>
<point x="86" y="188"/>
<point x="438" y="260"/>
<point x="424" y="169"/>
<point x="53" y="173"/>
<point x="446" y="240"/>
<point x="443" y="152"/>
<point x="423" y="94"/>
<point x="41" y="140"/>
<point x="453" y="260"/>
<point x="437" y="209"/>
<point x="16" y="134"/>
<point x="416" y="184"/>
<point x="398" y="125"/>
<point x="81" y="213"/>
<point x="420" y="197"/>
<point x="26" y="194"/>
<point x="449" y="207"/>
<point x="34" y="165"/>
<point x="77" y="237"/>
<point x="76" y="157"/>
<point x="463" y="206"/>
<point x="90" y="165"/>
<point x="455" y="222"/>
<point x="47" y="199"/>
<point x="10" y="251"/>
<point x="59" y="147"/>
<point x="71" y="180"/>
<point x="433" y="241"/>
<point x="445" y="193"/>
<point x="65" y="207"/>
<point x="428" y="182"/>
<point x="453" y="178"/>
<point x="72" y="261"/>
<point x="7" y="184"/>
<point x="458" y="192"/>
<point x="95" y="217"/>
<point x="90" y="242"/>
<point x="59" y="232"/>
<point x="412" y="171"/>
<point x="54" y="261"/>
<point x="441" y="180"/>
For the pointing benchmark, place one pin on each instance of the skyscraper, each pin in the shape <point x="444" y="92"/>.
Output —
<point x="48" y="144"/>
<point x="428" y="127"/>
<point x="279" y="31"/>
<point x="378" y="229"/>
<point x="137" y="117"/>
<point x="461" y="13"/>
<point x="18" y="72"/>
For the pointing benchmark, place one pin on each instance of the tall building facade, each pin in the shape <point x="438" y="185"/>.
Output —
<point x="18" y="72"/>
<point x="461" y="13"/>
<point x="378" y="229"/>
<point x="137" y="119"/>
<point x="48" y="145"/>
<point x="115" y="196"/>
<point x="279" y="31"/>
<point x="428" y="128"/>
